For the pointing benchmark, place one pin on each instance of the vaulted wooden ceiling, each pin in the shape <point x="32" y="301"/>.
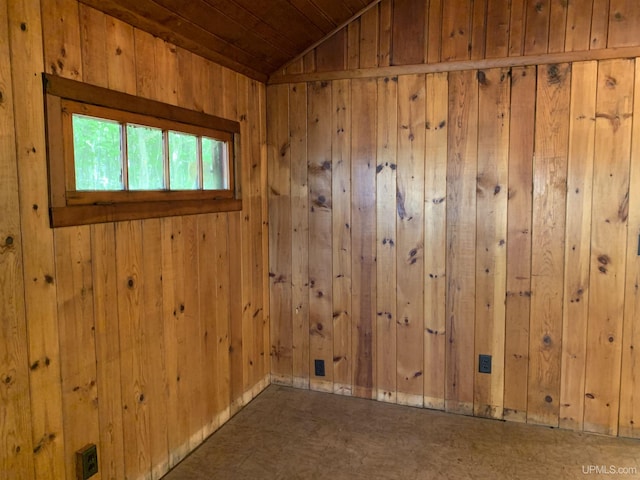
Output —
<point x="253" y="37"/>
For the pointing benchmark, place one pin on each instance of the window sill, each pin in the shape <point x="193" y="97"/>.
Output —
<point x="88" y="214"/>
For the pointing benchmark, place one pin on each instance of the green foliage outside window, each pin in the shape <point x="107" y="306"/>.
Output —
<point x="98" y="158"/>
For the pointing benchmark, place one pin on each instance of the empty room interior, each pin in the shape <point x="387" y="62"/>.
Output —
<point x="319" y="239"/>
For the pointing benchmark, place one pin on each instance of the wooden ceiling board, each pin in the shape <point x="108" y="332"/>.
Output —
<point x="208" y="18"/>
<point x="252" y="37"/>
<point x="261" y="29"/>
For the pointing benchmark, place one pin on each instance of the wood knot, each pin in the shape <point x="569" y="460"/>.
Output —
<point x="546" y="340"/>
<point x="482" y="77"/>
<point x="8" y="241"/>
<point x="604" y="259"/>
<point x="23" y="27"/>
<point x="130" y="282"/>
<point x="548" y="399"/>
<point x="610" y="82"/>
<point x="319" y="327"/>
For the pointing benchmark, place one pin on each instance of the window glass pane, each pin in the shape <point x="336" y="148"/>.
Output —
<point x="183" y="161"/>
<point x="214" y="164"/>
<point x="144" y="149"/>
<point x="96" y="149"/>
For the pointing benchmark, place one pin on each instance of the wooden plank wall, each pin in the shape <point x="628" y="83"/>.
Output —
<point x="142" y="337"/>
<point x="408" y="32"/>
<point x="468" y="242"/>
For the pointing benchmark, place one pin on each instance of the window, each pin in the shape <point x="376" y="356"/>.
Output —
<point x="114" y="157"/>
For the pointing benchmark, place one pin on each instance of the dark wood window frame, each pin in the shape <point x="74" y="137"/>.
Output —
<point x="70" y="207"/>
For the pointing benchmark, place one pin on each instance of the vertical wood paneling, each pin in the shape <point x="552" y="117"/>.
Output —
<point x="27" y="59"/>
<point x="614" y="112"/>
<point x="300" y="233"/>
<point x="353" y="45"/>
<point x="76" y="320"/>
<point x="320" y="241"/>
<point x="99" y="355"/>
<point x="497" y="26"/>
<point x="630" y="376"/>
<point x="624" y="18"/>
<point x="134" y="370"/>
<point x="408" y="32"/>
<point x="557" y="25"/>
<point x="578" y="33"/>
<point x="536" y="37"/>
<point x="410" y="234"/>
<point x="332" y="54"/>
<point x="62" y="51"/>
<point x="456" y="29"/>
<point x="435" y="239"/>
<point x="341" y="233"/>
<point x="280" y="233"/>
<point x="479" y="30"/>
<point x="548" y="230"/>
<point x="369" y="38"/>
<point x="386" y="32"/>
<point x="223" y="306"/>
<point x="600" y="24"/>
<point x="153" y="346"/>
<point x="518" y="297"/>
<point x="491" y="239"/>
<point x="507" y="234"/>
<point x="578" y="243"/>
<point x="208" y="273"/>
<point x="235" y="304"/>
<point x="434" y="40"/>
<point x="386" y="240"/>
<point x="121" y="56"/>
<point x="105" y="307"/>
<point x="461" y="240"/>
<point x="15" y="421"/>
<point x="517" y="27"/>
<point x="363" y="235"/>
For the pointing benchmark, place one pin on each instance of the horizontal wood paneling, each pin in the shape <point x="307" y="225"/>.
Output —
<point x="504" y="237"/>
<point x="143" y="337"/>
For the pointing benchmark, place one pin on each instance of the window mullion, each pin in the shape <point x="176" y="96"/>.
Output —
<point x="165" y="159"/>
<point x="124" y="147"/>
<point x="200" y="167"/>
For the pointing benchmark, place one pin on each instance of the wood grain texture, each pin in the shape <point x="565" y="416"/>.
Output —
<point x="497" y="25"/>
<point x="27" y="60"/>
<point x="410" y="235"/>
<point x="600" y="24"/>
<point x="320" y="239"/>
<point x="341" y="234"/>
<point x="386" y="240"/>
<point x="299" y="234"/>
<point x="461" y="240"/>
<point x="548" y="231"/>
<point x="536" y="37"/>
<point x="363" y="236"/>
<point x="15" y="421"/>
<point x="578" y="32"/>
<point x="280" y="233"/>
<point x="609" y="219"/>
<point x="456" y="30"/>
<point x="408" y="32"/>
<point x="491" y="237"/>
<point x="578" y="243"/>
<point x="435" y="238"/>
<point x="518" y="296"/>
<point x="629" y="383"/>
<point x="624" y="19"/>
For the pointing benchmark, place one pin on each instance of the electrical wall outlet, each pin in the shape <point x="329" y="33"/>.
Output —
<point x="319" y="367"/>
<point x="86" y="462"/>
<point x="484" y="363"/>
